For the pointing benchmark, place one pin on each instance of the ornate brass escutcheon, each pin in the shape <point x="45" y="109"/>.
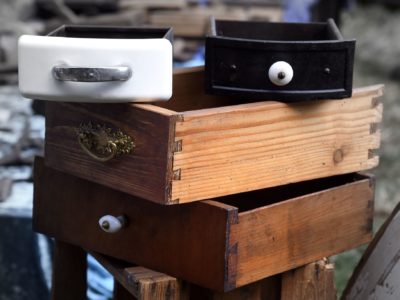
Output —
<point x="103" y="143"/>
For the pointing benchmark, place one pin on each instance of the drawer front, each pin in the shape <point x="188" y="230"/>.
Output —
<point x="183" y="241"/>
<point x="146" y="61"/>
<point x="221" y="244"/>
<point x="320" y="70"/>
<point x="143" y="171"/>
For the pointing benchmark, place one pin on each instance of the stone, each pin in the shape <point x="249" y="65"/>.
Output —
<point x="5" y="188"/>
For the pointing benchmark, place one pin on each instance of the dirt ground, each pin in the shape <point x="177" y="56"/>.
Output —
<point x="377" y="31"/>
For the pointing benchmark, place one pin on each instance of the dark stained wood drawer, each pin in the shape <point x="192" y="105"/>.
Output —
<point x="283" y="61"/>
<point x="198" y="146"/>
<point x="220" y="244"/>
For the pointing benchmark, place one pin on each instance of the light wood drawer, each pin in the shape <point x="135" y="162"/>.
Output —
<point x="221" y="243"/>
<point x="198" y="147"/>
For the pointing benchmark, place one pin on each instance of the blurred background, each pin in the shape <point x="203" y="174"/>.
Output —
<point x="25" y="257"/>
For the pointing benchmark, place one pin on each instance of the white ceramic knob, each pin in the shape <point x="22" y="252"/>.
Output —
<point x="111" y="224"/>
<point x="280" y="73"/>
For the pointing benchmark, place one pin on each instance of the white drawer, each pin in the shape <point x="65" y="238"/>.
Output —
<point x="97" y="64"/>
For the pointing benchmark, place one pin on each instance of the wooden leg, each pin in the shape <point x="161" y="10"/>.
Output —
<point x="120" y="293"/>
<point x="69" y="272"/>
<point x="314" y="281"/>
<point x="142" y="283"/>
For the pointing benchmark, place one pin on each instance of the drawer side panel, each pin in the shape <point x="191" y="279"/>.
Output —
<point x="295" y="232"/>
<point x="258" y="145"/>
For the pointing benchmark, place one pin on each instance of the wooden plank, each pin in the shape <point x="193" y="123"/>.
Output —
<point x="245" y="147"/>
<point x="145" y="172"/>
<point x="314" y="281"/>
<point x="194" y="21"/>
<point x="147" y="284"/>
<point x="69" y="272"/>
<point x="129" y="4"/>
<point x="377" y="275"/>
<point x="188" y="92"/>
<point x="270" y="14"/>
<point x="286" y="235"/>
<point x="143" y="283"/>
<point x="185" y="241"/>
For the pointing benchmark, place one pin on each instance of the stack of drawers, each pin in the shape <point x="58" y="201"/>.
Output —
<point x="216" y="194"/>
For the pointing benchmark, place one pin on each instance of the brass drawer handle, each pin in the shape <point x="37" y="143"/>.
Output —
<point x="103" y="143"/>
<point x="111" y="224"/>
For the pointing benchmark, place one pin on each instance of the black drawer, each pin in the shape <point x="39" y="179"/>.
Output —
<point x="239" y="57"/>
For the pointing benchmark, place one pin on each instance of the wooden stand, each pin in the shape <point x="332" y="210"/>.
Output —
<point x="312" y="281"/>
<point x="239" y="158"/>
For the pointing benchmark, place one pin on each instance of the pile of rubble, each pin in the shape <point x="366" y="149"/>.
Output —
<point x="21" y="139"/>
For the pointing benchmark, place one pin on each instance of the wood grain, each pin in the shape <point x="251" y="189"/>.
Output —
<point x="186" y="241"/>
<point x="288" y="234"/>
<point x="314" y="281"/>
<point x="193" y="21"/>
<point x="144" y="172"/>
<point x="69" y="272"/>
<point x="220" y="244"/>
<point x="142" y="283"/>
<point x="245" y="147"/>
<point x="147" y="284"/>
<point x="377" y="274"/>
<point x="197" y="146"/>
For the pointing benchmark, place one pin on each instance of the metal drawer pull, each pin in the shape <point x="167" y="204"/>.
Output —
<point x="280" y="73"/>
<point x="103" y="143"/>
<point x="111" y="224"/>
<point x="78" y="74"/>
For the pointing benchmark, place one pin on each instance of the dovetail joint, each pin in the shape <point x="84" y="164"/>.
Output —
<point x="177" y="174"/>
<point x="178" y="146"/>
<point x="375" y="102"/>
<point x="371" y="153"/>
<point x="373" y="128"/>
<point x="175" y="201"/>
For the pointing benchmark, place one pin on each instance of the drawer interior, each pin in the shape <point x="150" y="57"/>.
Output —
<point x="76" y="31"/>
<point x="255" y="199"/>
<point x="275" y="31"/>
<point x="188" y="93"/>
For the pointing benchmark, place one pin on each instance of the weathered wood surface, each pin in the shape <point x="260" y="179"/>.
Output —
<point x="378" y="274"/>
<point x="69" y="272"/>
<point x="143" y="283"/>
<point x="194" y="21"/>
<point x="309" y="282"/>
<point x="286" y="235"/>
<point x="129" y="4"/>
<point x="195" y="147"/>
<point x="144" y="172"/>
<point x="184" y="241"/>
<point x="220" y="244"/>
<point x="232" y="149"/>
<point x="314" y="281"/>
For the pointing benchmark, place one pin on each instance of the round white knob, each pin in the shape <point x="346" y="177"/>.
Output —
<point x="280" y="73"/>
<point x="111" y="224"/>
